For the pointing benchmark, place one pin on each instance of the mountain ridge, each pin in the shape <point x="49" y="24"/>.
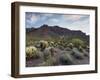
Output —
<point x="46" y="31"/>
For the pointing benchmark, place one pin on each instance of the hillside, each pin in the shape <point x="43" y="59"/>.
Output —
<point x="45" y="32"/>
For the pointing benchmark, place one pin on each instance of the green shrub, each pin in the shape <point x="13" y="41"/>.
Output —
<point x="77" y="42"/>
<point x="46" y="63"/>
<point x="51" y="61"/>
<point x="55" y="44"/>
<point x="77" y="54"/>
<point x="85" y="53"/>
<point x="53" y="51"/>
<point x="61" y="41"/>
<point x="29" y="42"/>
<point x="66" y="59"/>
<point x="47" y="53"/>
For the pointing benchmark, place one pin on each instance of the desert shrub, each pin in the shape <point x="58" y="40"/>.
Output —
<point x="68" y="49"/>
<point x="86" y="53"/>
<point x="65" y="44"/>
<point x="31" y="52"/>
<point x="46" y="63"/>
<point x="51" y="62"/>
<point x="61" y="47"/>
<point x="54" y="61"/>
<point x="77" y="54"/>
<point x="84" y="46"/>
<point x="66" y="59"/>
<point x="53" y="51"/>
<point x="49" y="52"/>
<point x="37" y="44"/>
<point x="77" y="42"/>
<point x="29" y="43"/>
<point x="55" y="44"/>
<point x="87" y="48"/>
<point x="61" y="41"/>
<point x="43" y="44"/>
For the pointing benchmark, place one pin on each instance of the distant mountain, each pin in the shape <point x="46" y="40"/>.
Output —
<point x="46" y="31"/>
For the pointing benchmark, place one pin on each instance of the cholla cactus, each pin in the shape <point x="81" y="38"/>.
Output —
<point x="49" y="52"/>
<point x="87" y="48"/>
<point x="55" y="44"/>
<point x="62" y="40"/>
<point x="70" y="45"/>
<point x="29" y="42"/>
<point x="43" y="44"/>
<point x="51" y="43"/>
<point x="31" y="52"/>
<point x="80" y="48"/>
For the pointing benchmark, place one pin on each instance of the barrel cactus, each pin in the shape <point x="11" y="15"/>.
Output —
<point x="43" y="45"/>
<point x="31" y="52"/>
<point x="70" y="45"/>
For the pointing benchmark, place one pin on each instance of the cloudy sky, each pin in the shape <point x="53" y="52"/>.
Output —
<point x="70" y="21"/>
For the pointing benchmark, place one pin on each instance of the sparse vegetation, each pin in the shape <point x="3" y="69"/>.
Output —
<point x="73" y="49"/>
<point x="60" y="50"/>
